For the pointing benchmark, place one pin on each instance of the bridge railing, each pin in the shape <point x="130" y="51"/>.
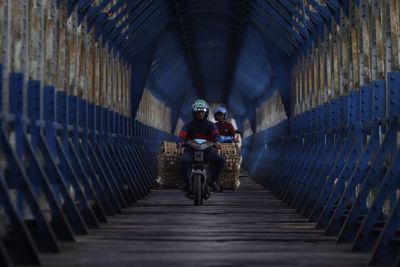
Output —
<point x="68" y="171"/>
<point x="340" y="167"/>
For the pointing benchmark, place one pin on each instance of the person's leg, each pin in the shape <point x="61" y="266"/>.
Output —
<point x="217" y="162"/>
<point x="185" y="162"/>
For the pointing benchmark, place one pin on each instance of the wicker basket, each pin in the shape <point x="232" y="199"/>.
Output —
<point x="229" y="178"/>
<point x="169" y="169"/>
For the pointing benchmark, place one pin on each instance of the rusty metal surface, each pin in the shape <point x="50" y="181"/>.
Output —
<point x="2" y="25"/>
<point x="39" y="39"/>
<point x="82" y="58"/>
<point x="378" y="40"/>
<point x="355" y="47"/>
<point x="17" y="37"/>
<point x="322" y="73"/>
<point x="344" y="59"/>
<point x="96" y="80"/>
<point x="153" y="112"/>
<point x="50" y="42"/>
<point x="103" y="71"/>
<point x="335" y="60"/>
<point x="61" y="46"/>
<point x="362" y="46"/>
<point x="72" y="53"/>
<point x="35" y="35"/>
<point x="270" y="113"/>
<point x="328" y="66"/>
<point x="109" y="80"/>
<point x="316" y="74"/>
<point x="90" y="66"/>
<point x="365" y="54"/>
<point x="394" y="15"/>
<point x="5" y="52"/>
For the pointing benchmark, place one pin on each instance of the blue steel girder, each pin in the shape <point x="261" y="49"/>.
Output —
<point x="165" y="57"/>
<point x="285" y="39"/>
<point x="134" y="11"/>
<point x="141" y="38"/>
<point x="307" y="25"/>
<point x="148" y="17"/>
<point x="280" y="6"/>
<point x="112" y="26"/>
<point x="94" y="11"/>
<point x="164" y="54"/>
<point x="141" y="64"/>
<point x="157" y="26"/>
<point x="334" y="5"/>
<point x="171" y="79"/>
<point x="258" y="87"/>
<point x="189" y="53"/>
<point x="280" y="23"/>
<point x="285" y="44"/>
<point x="322" y="10"/>
<point x="151" y="11"/>
<point x="119" y="4"/>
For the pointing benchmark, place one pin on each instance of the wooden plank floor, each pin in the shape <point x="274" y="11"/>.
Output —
<point x="249" y="227"/>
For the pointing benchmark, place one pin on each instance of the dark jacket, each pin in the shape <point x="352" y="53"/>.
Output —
<point x="225" y="128"/>
<point x="203" y="129"/>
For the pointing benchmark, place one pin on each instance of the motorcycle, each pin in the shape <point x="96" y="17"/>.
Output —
<point x="226" y="139"/>
<point x="199" y="171"/>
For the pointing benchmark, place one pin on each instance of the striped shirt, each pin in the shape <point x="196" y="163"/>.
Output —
<point x="203" y="129"/>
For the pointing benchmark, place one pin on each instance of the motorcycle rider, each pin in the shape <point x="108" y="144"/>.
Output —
<point x="224" y="127"/>
<point x="200" y="127"/>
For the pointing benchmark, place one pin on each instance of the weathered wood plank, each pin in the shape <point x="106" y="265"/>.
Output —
<point x="248" y="227"/>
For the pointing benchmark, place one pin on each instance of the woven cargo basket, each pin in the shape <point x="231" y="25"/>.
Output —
<point x="229" y="178"/>
<point x="169" y="169"/>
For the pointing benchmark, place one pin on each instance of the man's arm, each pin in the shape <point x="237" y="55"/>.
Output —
<point x="182" y="136"/>
<point x="214" y="132"/>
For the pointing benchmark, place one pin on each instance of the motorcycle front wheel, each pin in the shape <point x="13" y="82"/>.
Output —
<point x="197" y="190"/>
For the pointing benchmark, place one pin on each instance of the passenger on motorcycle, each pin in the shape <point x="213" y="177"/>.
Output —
<point x="226" y="130"/>
<point x="200" y="127"/>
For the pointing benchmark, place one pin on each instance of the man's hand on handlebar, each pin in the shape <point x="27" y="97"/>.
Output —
<point x="194" y="145"/>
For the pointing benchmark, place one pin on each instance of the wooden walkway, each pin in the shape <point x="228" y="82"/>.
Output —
<point x="249" y="227"/>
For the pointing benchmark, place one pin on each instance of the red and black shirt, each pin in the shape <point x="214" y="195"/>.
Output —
<point x="203" y="129"/>
<point x="225" y="128"/>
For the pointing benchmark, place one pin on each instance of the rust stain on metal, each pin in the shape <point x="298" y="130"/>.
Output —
<point x="90" y="65"/>
<point x="395" y="33"/>
<point x="109" y="78"/>
<point x="322" y="73"/>
<point x="34" y="39"/>
<point x="316" y="77"/>
<point x="61" y="47"/>
<point x="2" y="22"/>
<point x="50" y="43"/>
<point x="377" y="59"/>
<point x="83" y="61"/>
<point x="355" y="48"/>
<point x="365" y="55"/>
<point x="96" y="81"/>
<point x="344" y="60"/>
<point x="72" y="53"/>
<point x="104" y="71"/>
<point x="364" y="46"/>
<point x="17" y="35"/>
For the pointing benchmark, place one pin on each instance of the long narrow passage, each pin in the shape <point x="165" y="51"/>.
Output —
<point x="248" y="227"/>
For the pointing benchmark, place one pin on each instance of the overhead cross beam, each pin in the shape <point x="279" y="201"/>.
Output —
<point x="193" y="64"/>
